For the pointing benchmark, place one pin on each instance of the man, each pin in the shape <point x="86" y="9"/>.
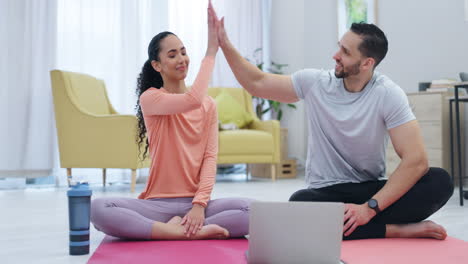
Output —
<point x="351" y="111"/>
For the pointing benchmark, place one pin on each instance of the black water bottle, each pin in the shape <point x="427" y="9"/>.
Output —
<point x="79" y="205"/>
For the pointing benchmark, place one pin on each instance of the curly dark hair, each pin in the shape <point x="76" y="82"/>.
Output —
<point x="148" y="78"/>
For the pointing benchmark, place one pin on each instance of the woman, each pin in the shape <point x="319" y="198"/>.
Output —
<point x="181" y="125"/>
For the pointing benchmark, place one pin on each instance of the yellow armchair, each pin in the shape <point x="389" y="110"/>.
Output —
<point x="259" y="142"/>
<point x="91" y="134"/>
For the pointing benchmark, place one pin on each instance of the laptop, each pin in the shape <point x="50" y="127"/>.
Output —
<point x="295" y="232"/>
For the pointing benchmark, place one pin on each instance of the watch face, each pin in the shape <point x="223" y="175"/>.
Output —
<point x="372" y="203"/>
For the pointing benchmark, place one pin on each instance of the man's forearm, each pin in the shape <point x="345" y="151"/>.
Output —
<point x="400" y="182"/>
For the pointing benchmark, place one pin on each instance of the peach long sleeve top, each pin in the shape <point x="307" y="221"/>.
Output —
<point x="182" y="131"/>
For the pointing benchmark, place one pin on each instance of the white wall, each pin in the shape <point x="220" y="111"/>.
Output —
<point x="286" y="47"/>
<point x="321" y="33"/>
<point x="303" y="35"/>
<point x="428" y="39"/>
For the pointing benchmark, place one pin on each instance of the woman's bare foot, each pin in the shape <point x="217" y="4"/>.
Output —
<point x="175" y="220"/>
<point x="424" y="229"/>
<point x="171" y="231"/>
<point x="212" y="232"/>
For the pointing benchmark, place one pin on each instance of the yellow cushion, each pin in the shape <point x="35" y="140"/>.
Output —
<point x="245" y="141"/>
<point x="230" y="111"/>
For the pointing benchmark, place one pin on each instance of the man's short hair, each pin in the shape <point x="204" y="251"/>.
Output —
<point x="374" y="43"/>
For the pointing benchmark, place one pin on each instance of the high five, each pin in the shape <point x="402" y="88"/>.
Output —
<point x="352" y="110"/>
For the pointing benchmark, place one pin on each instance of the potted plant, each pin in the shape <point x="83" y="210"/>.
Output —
<point x="263" y="106"/>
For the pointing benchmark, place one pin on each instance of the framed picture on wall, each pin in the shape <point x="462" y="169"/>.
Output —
<point x="351" y="11"/>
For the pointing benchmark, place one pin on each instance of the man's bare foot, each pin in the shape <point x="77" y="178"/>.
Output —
<point x="212" y="232"/>
<point x="424" y="229"/>
<point x="175" y="220"/>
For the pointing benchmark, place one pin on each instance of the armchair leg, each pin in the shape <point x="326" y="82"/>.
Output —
<point x="69" y="176"/>
<point x="132" y="186"/>
<point x="273" y="172"/>
<point x="104" y="177"/>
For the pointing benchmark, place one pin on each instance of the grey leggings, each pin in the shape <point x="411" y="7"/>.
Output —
<point x="133" y="218"/>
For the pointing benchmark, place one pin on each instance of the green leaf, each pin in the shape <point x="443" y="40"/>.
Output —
<point x="292" y="106"/>
<point x="275" y="105"/>
<point x="279" y="65"/>
<point x="276" y="68"/>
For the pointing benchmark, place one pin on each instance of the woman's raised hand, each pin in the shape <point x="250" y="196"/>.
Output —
<point x="213" y="43"/>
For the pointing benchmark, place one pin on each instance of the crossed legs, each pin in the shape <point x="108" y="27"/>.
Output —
<point x="160" y="218"/>
<point x="404" y="218"/>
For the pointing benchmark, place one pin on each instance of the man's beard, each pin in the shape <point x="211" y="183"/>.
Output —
<point x="351" y="70"/>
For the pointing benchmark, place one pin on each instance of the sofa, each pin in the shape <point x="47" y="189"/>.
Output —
<point x="257" y="142"/>
<point x="91" y="134"/>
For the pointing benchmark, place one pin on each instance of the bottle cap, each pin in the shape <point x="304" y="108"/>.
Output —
<point x="79" y="189"/>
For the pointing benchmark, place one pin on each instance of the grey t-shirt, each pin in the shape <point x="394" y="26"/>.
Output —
<point x="348" y="132"/>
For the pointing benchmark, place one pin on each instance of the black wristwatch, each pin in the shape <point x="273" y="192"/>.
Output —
<point x="373" y="204"/>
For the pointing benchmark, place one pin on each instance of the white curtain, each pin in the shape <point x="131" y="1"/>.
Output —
<point x="243" y="22"/>
<point x="27" y="39"/>
<point x="108" y="39"/>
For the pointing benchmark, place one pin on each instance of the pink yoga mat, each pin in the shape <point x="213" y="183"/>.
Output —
<point x="115" y="251"/>
<point x="368" y="251"/>
<point x="402" y="251"/>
